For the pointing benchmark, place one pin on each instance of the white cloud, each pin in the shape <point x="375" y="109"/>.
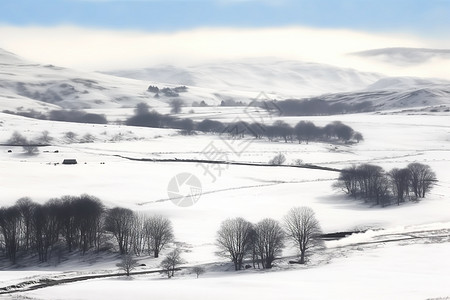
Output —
<point x="94" y="49"/>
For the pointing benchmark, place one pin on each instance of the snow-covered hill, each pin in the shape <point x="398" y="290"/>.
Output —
<point x="405" y="83"/>
<point x="293" y="79"/>
<point x="397" y="93"/>
<point x="251" y="192"/>
<point x="281" y="78"/>
<point x="25" y="85"/>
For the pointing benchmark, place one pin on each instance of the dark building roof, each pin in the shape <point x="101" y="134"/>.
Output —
<point x="70" y="161"/>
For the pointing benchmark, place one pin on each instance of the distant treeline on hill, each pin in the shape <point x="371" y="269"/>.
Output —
<point x="315" y="107"/>
<point x="76" y="116"/>
<point x="304" y="131"/>
<point x="301" y="107"/>
<point x="166" y="91"/>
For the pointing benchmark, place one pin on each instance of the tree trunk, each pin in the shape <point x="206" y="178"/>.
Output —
<point x="302" y="257"/>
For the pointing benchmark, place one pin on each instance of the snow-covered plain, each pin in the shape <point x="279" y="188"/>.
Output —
<point x="400" y="272"/>
<point x="364" y="266"/>
<point x="251" y="192"/>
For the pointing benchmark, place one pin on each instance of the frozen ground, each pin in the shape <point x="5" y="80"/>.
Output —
<point x="347" y="269"/>
<point x="403" y="256"/>
<point x="413" y="269"/>
<point x="386" y="273"/>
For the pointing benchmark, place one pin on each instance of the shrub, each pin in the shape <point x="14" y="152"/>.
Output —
<point x="277" y="160"/>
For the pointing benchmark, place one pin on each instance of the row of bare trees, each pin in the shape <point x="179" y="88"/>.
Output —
<point x="239" y="239"/>
<point x="317" y="106"/>
<point x="74" y="115"/>
<point x="372" y="183"/>
<point x="78" y="223"/>
<point x="303" y="131"/>
<point x="138" y="233"/>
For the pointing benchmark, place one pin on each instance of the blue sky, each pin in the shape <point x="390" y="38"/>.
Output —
<point x="422" y="17"/>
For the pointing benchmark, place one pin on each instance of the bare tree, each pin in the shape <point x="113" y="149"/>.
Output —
<point x="10" y="228"/>
<point x="88" y="138"/>
<point x="198" y="270"/>
<point x="81" y="220"/>
<point x="142" y="108"/>
<point x="372" y="182"/>
<point x="45" y="137"/>
<point x="70" y="220"/>
<point x="26" y="208"/>
<point x="348" y="181"/>
<point x="70" y="136"/>
<point x="175" y="106"/>
<point x="283" y="130"/>
<point x="17" y="139"/>
<point x="422" y="179"/>
<point x="138" y="235"/>
<point x="254" y="248"/>
<point x="119" y="221"/>
<point x="31" y="148"/>
<point x="158" y="232"/>
<point x="127" y="264"/>
<point x="399" y="179"/>
<point x="210" y="126"/>
<point x="186" y="125"/>
<point x="302" y="228"/>
<point x="343" y="132"/>
<point x="171" y="262"/>
<point x="89" y="212"/>
<point x="47" y="227"/>
<point x="269" y="241"/>
<point x="234" y="240"/>
<point x="305" y="131"/>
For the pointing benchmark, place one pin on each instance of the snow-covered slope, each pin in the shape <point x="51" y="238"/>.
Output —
<point x="30" y="85"/>
<point x="235" y="191"/>
<point x="293" y="79"/>
<point x="399" y="83"/>
<point x="397" y="93"/>
<point x="25" y="85"/>
<point x="278" y="77"/>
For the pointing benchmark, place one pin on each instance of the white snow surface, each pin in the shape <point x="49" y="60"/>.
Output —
<point x="285" y="79"/>
<point x="362" y="266"/>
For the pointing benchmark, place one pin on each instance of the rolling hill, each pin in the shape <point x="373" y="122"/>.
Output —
<point x="396" y="93"/>
<point x="26" y="85"/>
<point x="281" y="78"/>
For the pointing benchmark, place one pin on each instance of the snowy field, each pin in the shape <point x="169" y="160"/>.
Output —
<point x="400" y="272"/>
<point x="413" y="269"/>
<point x="404" y="255"/>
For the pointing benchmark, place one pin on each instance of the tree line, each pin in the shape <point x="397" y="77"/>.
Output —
<point x="318" y="107"/>
<point x="303" y="131"/>
<point x="261" y="243"/>
<point x="82" y="224"/>
<point x="168" y="92"/>
<point x="373" y="184"/>
<point x="78" y="223"/>
<point x="74" y="115"/>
